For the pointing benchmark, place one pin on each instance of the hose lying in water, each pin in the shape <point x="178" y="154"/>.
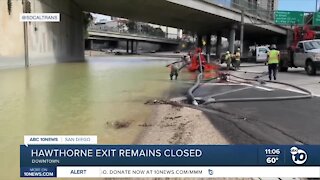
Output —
<point x="190" y="95"/>
<point x="308" y="94"/>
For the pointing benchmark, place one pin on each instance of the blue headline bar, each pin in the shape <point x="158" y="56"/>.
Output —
<point x="168" y="155"/>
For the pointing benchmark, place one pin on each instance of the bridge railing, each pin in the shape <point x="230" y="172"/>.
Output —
<point x="249" y="8"/>
<point x="168" y="36"/>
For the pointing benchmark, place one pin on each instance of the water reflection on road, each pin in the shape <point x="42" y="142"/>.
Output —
<point x="77" y="99"/>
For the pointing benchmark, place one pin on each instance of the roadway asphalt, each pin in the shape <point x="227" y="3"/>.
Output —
<point x="267" y="122"/>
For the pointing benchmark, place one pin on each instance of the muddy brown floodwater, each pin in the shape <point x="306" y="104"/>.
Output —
<point x="103" y="97"/>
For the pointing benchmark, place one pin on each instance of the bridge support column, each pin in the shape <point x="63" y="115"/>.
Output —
<point x="246" y="47"/>
<point x="137" y="44"/>
<point x="131" y="46"/>
<point x="91" y="46"/>
<point x="289" y="38"/>
<point x="218" y="44"/>
<point x="208" y="46"/>
<point x="232" y="39"/>
<point x="199" y="40"/>
<point x="127" y="46"/>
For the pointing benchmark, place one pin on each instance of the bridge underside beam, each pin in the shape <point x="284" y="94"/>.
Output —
<point x="197" y="16"/>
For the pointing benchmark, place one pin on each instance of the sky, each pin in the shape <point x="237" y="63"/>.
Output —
<point x="99" y="17"/>
<point x="298" y="5"/>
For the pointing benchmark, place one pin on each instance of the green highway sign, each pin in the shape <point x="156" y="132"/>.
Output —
<point x="316" y="19"/>
<point x="289" y="17"/>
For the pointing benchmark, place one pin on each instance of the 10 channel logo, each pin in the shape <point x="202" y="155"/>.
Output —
<point x="299" y="156"/>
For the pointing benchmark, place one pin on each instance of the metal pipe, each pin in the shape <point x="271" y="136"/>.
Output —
<point x="308" y="95"/>
<point x="258" y="99"/>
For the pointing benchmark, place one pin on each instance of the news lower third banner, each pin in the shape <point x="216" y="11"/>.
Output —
<point x="123" y="161"/>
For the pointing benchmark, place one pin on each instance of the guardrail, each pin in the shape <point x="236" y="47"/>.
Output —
<point x="138" y="36"/>
<point x="172" y="37"/>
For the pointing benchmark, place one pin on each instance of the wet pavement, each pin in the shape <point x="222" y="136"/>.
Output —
<point x="264" y="122"/>
<point x="78" y="99"/>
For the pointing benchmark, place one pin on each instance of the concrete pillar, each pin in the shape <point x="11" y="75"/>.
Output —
<point x="232" y="39"/>
<point x="137" y="43"/>
<point x="218" y="44"/>
<point x="246" y="46"/>
<point x="127" y="46"/>
<point x="208" y="46"/>
<point x="131" y="46"/>
<point x="199" y="40"/>
<point x="289" y="38"/>
<point x="91" y="44"/>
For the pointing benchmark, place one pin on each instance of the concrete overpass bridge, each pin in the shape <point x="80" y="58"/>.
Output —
<point x="131" y="41"/>
<point x="205" y="17"/>
<point x="34" y="43"/>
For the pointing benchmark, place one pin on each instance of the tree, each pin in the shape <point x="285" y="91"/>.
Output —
<point x="87" y="20"/>
<point x="132" y="26"/>
<point x="158" y="32"/>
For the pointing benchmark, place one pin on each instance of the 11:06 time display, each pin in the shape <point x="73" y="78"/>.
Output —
<point x="272" y="151"/>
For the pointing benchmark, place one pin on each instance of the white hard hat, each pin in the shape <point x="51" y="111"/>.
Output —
<point x="273" y="46"/>
<point x="238" y="49"/>
<point x="228" y="52"/>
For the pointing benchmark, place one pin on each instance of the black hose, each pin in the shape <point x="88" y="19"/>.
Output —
<point x="175" y="62"/>
<point x="190" y="95"/>
<point x="180" y="68"/>
<point x="184" y="65"/>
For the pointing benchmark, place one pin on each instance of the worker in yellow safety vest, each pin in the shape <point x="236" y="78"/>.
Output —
<point x="227" y="58"/>
<point x="273" y="61"/>
<point x="237" y="58"/>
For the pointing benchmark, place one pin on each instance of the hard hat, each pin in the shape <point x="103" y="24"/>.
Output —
<point x="273" y="46"/>
<point x="228" y="52"/>
<point x="238" y="49"/>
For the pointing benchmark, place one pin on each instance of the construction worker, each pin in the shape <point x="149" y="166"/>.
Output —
<point x="186" y="59"/>
<point x="273" y="61"/>
<point x="173" y="71"/>
<point x="227" y="58"/>
<point x="237" y="58"/>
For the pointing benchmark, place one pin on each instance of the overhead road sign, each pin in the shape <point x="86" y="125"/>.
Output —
<point x="289" y="17"/>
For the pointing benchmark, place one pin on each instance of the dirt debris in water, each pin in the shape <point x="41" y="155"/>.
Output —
<point x="145" y="125"/>
<point x="119" y="124"/>
<point x="161" y="101"/>
<point x="172" y="118"/>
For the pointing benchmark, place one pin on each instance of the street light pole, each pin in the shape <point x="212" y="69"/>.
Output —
<point x="316" y="6"/>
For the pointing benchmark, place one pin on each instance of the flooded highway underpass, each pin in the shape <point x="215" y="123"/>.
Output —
<point x="78" y="99"/>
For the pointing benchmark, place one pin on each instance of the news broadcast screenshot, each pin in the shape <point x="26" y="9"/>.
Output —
<point x="160" y="89"/>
